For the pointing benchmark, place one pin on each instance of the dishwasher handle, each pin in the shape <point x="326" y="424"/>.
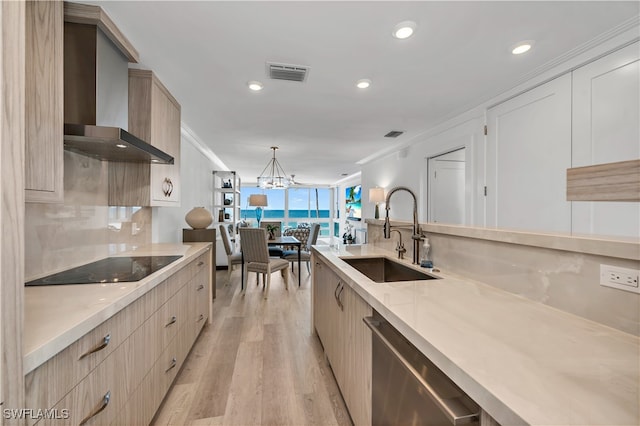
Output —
<point x="442" y="403"/>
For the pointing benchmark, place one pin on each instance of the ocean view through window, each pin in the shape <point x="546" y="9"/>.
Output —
<point x="293" y="206"/>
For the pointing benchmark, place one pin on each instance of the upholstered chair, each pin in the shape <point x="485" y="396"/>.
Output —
<point x="301" y="234"/>
<point x="256" y="258"/>
<point x="305" y="255"/>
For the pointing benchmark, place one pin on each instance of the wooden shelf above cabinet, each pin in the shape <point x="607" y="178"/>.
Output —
<point x="618" y="181"/>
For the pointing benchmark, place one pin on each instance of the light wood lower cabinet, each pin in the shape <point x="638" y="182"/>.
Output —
<point x="120" y="372"/>
<point x="337" y="319"/>
<point x="338" y="313"/>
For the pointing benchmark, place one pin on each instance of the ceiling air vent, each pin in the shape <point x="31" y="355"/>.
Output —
<point x="393" y="134"/>
<point x="287" y="72"/>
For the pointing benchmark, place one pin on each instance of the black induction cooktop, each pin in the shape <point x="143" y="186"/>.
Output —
<point x="109" y="270"/>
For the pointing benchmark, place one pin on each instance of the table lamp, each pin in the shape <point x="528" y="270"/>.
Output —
<point x="258" y="201"/>
<point x="376" y="195"/>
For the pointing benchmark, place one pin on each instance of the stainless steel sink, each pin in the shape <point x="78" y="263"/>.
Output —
<point x="383" y="270"/>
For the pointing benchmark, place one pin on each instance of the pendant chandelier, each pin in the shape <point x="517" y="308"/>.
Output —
<point x="273" y="176"/>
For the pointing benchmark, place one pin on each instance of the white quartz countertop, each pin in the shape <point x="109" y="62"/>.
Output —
<point x="58" y="315"/>
<point x="522" y="361"/>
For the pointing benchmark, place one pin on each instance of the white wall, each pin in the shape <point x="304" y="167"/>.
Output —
<point x="408" y="165"/>
<point x="196" y="182"/>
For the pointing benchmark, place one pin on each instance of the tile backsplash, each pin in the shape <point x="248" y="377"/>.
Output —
<point x="84" y="228"/>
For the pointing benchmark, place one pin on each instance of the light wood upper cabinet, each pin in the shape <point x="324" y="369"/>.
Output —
<point x="154" y="116"/>
<point x="44" y="101"/>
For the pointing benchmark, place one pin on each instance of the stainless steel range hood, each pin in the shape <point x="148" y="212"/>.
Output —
<point x="96" y="87"/>
<point x="111" y="144"/>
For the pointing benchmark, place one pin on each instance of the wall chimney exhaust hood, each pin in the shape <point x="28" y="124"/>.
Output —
<point x="111" y="144"/>
<point x="96" y="100"/>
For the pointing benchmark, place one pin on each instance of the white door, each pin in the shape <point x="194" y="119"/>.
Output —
<point x="528" y="152"/>
<point x="447" y="188"/>
<point x="606" y="128"/>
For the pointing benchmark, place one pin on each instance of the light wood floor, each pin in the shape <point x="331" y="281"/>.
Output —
<point x="257" y="364"/>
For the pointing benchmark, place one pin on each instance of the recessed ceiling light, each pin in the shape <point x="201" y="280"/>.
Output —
<point x="255" y="85"/>
<point x="522" y="47"/>
<point x="404" y="29"/>
<point x="120" y="145"/>
<point x="363" y="83"/>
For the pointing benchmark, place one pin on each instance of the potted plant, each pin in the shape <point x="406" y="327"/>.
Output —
<point x="271" y="229"/>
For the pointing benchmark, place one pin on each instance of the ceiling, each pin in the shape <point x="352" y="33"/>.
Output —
<point x="459" y="57"/>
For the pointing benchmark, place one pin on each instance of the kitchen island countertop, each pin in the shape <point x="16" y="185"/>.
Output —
<point x="57" y="315"/>
<point x="522" y="361"/>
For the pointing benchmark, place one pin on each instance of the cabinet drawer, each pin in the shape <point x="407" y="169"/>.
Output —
<point x="202" y="263"/>
<point x="99" y="396"/>
<point x="47" y="384"/>
<point x="200" y="286"/>
<point x="162" y="327"/>
<point x="163" y="372"/>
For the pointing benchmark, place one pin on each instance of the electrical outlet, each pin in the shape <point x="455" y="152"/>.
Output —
<point x="620" y="278"/>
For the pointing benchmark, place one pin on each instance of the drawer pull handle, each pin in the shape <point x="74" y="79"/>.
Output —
<point x="105" y="402"/>
<point x="200" y="263"/>
<point x="104" y="344"/>
<point x="201" y="317"/>
<point x="174" y="362"/>
<point x="338" y="298"/>
<point x="172" y="321"/>
<point x="200" y="287"/>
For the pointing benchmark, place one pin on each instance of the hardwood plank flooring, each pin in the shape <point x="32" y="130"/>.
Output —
<point x="257" y="363"/>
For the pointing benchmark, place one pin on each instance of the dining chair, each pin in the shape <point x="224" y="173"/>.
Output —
<point x="305" y="255"/>
<point x="256" y="258"/>
<point x="300" y="234"/>
<point x="232" y="258"/>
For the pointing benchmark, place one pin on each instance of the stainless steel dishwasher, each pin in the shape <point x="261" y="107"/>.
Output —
<point x="407" y="388"/>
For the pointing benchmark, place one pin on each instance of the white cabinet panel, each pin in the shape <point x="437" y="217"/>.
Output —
<point x="606" y="128"/>
<point x="528" y="152"/>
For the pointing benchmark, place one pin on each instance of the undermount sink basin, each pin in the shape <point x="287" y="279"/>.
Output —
<point x="383" y="270"/>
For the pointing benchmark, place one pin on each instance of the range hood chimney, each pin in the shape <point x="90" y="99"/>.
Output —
<point x="96" y="92"/>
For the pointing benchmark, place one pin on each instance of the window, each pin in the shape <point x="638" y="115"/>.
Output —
<point x="293" y="206"/>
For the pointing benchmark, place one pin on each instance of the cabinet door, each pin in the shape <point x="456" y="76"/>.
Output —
<point x="336" y="294"/>
<point x="337" y="318"/>
<point x="528" y="153"/>
<point x="606" y="129"/>
<point x="357" y="357"/>
<point x="165" y="134"/>
<point x="154" y="116"/>
<point x="325" y="309"/>
<point x="44" y="101"/>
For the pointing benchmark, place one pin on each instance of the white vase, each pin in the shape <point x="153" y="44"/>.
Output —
<point x="199" y="218"/>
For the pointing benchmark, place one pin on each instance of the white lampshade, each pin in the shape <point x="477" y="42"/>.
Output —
<point x="258" y="200"/>
<point x="376" y="195"/>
